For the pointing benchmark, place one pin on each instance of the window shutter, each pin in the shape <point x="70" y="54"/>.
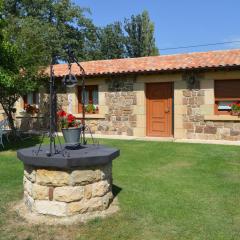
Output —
<point x="226" y="92"/>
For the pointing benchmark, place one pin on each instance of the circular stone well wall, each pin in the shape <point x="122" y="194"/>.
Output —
<point x="70" y="192"/>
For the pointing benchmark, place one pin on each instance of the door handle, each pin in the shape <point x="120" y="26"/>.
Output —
<point x="167" y="110"/>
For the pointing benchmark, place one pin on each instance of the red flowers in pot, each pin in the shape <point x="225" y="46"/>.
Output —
<point x="71" y="128"/>
<point x="67" y="120"/>
<point x="235" y="108"/>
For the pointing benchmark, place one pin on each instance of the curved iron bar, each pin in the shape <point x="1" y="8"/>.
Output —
<point x="72" y="58"/>
<point x="52" y="129"/>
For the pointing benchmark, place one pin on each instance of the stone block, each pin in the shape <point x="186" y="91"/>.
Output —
<point x="188" y="125"/>
<point x="196" y="112"/>
<point x="68" y="194"/>
<point x="210" y="130"/>
<point x="129" y="132"/>
<point x="139" y="132"/>
<point x="88" y="191"/>
<point x="27" y="185"/>
<point x="191" y="100"/>
<point x="101" y="98"/>
<point x="99" y="189"/>
<point x="199" y="129"/>
<point x="107" y="199"/>
<point x="210" y="124"/>
<point x="191" y="135"/>
<point x="94" y="204"/>
<point x="187" y="93"/>
<point x="234" y="132"/>
<point x="229" y="138"/>
<point x="51" y="208"/>
<point x="52" y="177"/>
<point x="185" y="101"/>
<point x="138" y="110"/>
<point x="201" y="136"/>
<point x="224" y="131"/>
<point x="200" y="100"/>
<point x="179" y="133"/>
<point x="236" y="126"/>
<point x="178" y="96"/>
<point x="178" y="121"/>
<point x="179" y="110"/>
<point x="201" y="92"/>
<point x="199" y="118"/>
<point x="133" y="124"/>
<point x="228" y="124"/>
<point x="189" y="111"/>
<point x="30" y="173"/>
<point x="211" y="137"/>
<point x="40" y="192"/>
<point x="76" y="207"/>
<point x="209" y="96"/>
<point x="141" y="121"/>
<point x="84" y="177"/>
<point x="29" y="201"/>
<point x="207" y="109"/>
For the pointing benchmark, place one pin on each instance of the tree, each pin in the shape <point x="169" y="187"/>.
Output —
<point x="10" y="86"/>
<point x="45" y="27"/>
<point x="111" y="40"/>
<point x="13" y="83"/>
<point x="33" y="34"/>
<point x="140" y="39"/>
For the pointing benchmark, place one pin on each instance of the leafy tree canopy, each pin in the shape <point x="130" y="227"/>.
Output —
<point x="140" y="39"/>
<point x="42" y="28"/>
<point x="112" y="40"/>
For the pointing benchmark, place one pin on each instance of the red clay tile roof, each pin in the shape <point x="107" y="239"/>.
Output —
<point x="213" y="59"/>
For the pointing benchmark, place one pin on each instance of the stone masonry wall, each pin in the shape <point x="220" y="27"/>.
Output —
<point x="67" y="193"/>
<point x="198" y="128"/>
<point x="40" y="121"/>
<point x="120" y="118"/>
<point x="119" y="101"/>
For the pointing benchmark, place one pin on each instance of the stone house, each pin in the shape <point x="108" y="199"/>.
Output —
<point x="185" y="96"/>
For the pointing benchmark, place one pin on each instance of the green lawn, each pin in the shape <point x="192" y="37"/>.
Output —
<point x="168" y="191"/>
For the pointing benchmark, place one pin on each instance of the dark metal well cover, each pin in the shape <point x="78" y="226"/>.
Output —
<point x="86" y="156"/>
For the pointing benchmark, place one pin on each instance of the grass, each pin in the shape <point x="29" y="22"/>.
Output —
<point x="167" y="191"/>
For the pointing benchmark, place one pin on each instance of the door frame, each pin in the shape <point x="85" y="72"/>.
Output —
<point x="171" y="118"/>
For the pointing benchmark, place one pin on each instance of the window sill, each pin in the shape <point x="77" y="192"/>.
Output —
<point x="28" y="115"/>
<point x="221" y="118"/>
<point x="90" y="116"/>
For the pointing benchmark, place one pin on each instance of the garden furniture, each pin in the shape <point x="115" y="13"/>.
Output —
<point x="4" y="131"/>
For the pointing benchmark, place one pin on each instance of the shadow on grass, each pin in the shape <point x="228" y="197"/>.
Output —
<point x="116" y="190"/>
<point x="17" y="143"/>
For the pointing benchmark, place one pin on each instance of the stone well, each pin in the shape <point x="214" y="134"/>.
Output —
<point x="68" y="186"/>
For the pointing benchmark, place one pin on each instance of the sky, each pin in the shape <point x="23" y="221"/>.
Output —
<point x="177" y="22"/>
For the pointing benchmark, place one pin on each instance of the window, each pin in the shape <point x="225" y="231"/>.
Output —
<point x="30" y="99"/>
<point x="91" y="98"/>
<point x="226" y="92"/>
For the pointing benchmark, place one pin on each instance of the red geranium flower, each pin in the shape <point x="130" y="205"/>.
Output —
<point x="70" y="118"/>
<point x="61" y="113"/>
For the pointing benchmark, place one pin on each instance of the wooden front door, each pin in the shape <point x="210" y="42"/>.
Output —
<point x="159" y="109"/>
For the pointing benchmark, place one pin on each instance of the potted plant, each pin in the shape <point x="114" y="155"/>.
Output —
<point x="235" y="108"/>
<point x="90" y="108"/>
<point x="31" y="109"/>
<point x="71" y="128"/>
